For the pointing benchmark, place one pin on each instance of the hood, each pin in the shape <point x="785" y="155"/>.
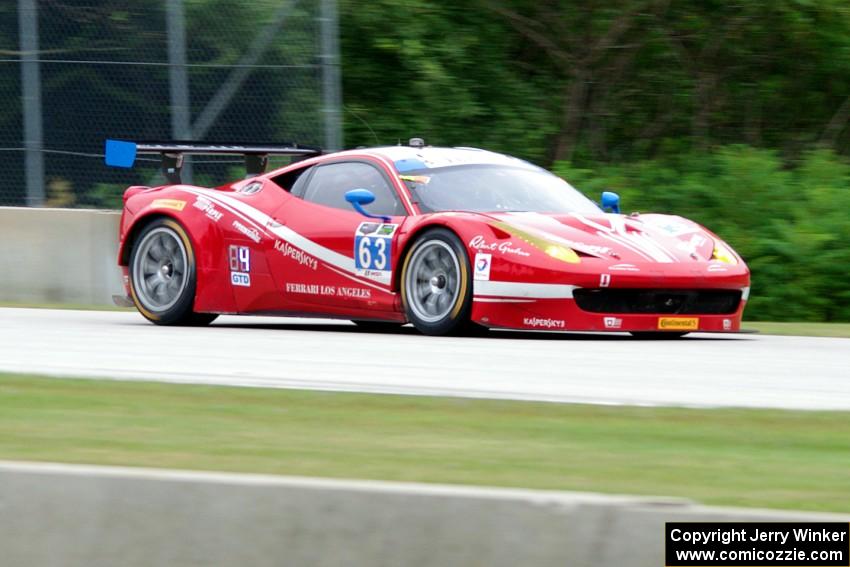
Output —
<point x="663" y="239"/>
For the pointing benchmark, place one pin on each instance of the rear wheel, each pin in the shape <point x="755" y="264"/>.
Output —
<point x="163" y="276"/>
<point x="657" y="335"/>
<point x="436" y="289"/>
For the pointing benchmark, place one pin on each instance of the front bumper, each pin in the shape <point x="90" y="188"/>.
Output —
<point x="563" y="314"/>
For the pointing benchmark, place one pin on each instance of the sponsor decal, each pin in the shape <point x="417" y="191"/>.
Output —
<point x="727" y="324"/>
<point x="678" y="323"/>
<point x="240" y="278"/>
<point x="373" y="249"/>
<point x="480" y="243"/>
<point x="613" y="322"/>
<point x="251" y="233"/>
<point x="367" y="227"/>
<point x="296" y="254"/>
<point x="329" y="290"/>
<point x="482" y="266"/>
<point x="240" y="265"/>
<point x="717" y="267"/>
<point x="604" y="280"/>
<point x="539" y="323"/>
<point x="175" y="204"/>
<point x="386" y="229"/>
<point x="623" y="268"/>
<point x="420" y="179"/>
<point x="354" y="292"/>
<point x="204" y="204"/>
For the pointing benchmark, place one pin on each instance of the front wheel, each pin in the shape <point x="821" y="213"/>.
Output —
<point x="436" y="289"/>
<point x="163" y="275"/>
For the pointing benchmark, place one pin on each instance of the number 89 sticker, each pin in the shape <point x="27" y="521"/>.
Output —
<point x="373" y="249"/>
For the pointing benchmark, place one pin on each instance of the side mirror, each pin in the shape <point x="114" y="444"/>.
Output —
<point x="611" y="200"/>
<point x="360" y="197"/>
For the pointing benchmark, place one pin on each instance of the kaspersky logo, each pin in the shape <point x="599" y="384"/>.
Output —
<point x="544" y="323"/>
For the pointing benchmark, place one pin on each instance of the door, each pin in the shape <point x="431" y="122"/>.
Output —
<point x="314" y="262"/>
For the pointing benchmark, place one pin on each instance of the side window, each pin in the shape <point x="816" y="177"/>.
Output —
<point x="328" y="185"/>
<point x="294" y="181"/>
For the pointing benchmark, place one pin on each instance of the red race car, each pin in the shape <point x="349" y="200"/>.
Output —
<point x="448" y="239"/>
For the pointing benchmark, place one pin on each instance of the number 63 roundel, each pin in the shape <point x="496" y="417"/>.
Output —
<point x="373" y="248"/>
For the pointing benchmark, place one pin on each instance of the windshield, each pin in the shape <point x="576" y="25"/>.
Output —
<point x="494" y="188"/>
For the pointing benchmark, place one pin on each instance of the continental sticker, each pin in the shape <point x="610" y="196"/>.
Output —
<point x="175" y="204"/>
<point x="678" y="323"/>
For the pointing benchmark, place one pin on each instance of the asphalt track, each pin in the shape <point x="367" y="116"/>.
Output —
<point x="701" y="370"/>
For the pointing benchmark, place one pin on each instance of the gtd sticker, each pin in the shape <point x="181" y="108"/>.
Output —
<point x="240" y="265"/>
<point x="373" y="248"/>
<point x="482" y="266"/>
<point x="240" y="278"/>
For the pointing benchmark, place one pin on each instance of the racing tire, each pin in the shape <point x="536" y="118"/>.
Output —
<point x="163" y="275"/>
<point x="436" y="287"/>
<point x="657" y="335"/>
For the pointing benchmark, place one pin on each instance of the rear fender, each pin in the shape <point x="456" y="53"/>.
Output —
<point x="205" y="235"/>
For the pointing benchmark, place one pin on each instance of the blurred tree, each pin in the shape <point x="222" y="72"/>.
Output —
<point x="734" y="114"/>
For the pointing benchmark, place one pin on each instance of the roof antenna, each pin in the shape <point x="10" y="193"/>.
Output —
<point x="357" y="116"/>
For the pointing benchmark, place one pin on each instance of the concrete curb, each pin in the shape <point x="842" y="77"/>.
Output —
<point x="71" y="515"/>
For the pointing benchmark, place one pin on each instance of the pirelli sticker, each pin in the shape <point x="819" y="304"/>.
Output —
<point x="678" y="323"/>
<point x="175" y="204"/>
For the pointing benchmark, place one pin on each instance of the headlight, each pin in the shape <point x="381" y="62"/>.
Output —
<point x="562" y="253"/>
<point x="722" y="253"/>
<point x="548" y="246"/>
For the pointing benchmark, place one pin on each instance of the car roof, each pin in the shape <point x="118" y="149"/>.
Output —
<point x="406" y="158"/>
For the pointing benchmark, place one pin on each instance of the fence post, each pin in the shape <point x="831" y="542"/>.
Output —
<point x="178" y="80"/>
<point x="331" y="88"/>
<point x="31" y="97"/>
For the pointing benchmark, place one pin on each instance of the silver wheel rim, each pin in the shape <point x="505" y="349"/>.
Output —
<point x="159" y="269"/>
<point x="432" y="282"/>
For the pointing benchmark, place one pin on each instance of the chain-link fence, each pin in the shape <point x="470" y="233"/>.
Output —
<point x="75" y="72"/>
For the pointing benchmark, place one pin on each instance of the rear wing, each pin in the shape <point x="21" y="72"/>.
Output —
<point x="121" y="153"/>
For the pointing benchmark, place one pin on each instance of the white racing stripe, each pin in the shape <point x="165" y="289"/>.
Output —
<point x="284" y="233"/>
<point x="358" y="280"/>
<point x="653" y="248"/>
<point x="624" y="244"/>
<point x="637" y="243"/>
<point x="524" y="290"/>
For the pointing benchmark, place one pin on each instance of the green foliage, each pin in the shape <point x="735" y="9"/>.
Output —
<point x="733" y="114"/>
<point x="790" y="224"/>
<point x="441" y="71"/>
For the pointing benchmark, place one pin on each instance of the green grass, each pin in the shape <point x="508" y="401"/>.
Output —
<point x="841" y="330"/>
<point x="782" y="459"/>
